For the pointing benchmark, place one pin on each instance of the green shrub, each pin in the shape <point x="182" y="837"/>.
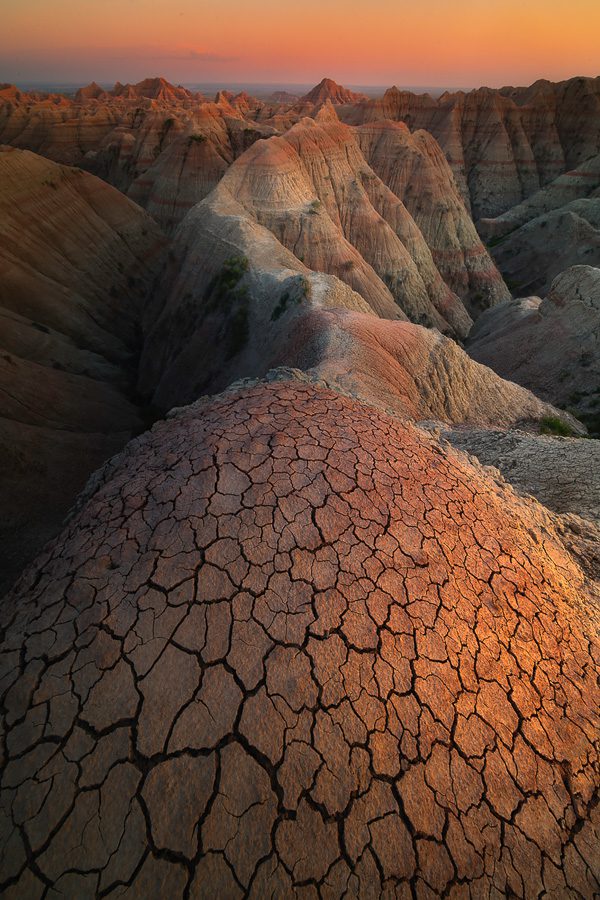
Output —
<point x="227" y="300"/>
<point x="554" y="425"/>
<point x="223" y="290"/>
<point x="196" y="139"/>
<point x="281" y="307"/>
<point x="238" y="331"/>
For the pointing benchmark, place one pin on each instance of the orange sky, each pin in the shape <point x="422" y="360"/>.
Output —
<point x="421" y="42"/>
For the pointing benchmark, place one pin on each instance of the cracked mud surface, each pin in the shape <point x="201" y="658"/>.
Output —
<point x="290" y="646"/>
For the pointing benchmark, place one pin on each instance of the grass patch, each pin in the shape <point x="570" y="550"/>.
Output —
<point x="554" y="425"/>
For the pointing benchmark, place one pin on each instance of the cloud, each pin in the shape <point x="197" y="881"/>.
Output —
<point x="211" y="57"/>
<point x="202" y="56"/>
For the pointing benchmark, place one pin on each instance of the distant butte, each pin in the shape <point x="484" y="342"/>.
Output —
<point x="327" y="89"/>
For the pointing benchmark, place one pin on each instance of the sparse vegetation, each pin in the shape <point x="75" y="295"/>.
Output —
<point x="196" y="139"/>
<point x="315" y="206"/>
<point x="238" y="331"/>
<point x="225" y="295"/>
<point x="304" y="285"/>
<point x="299" y="292"/>
<point x="225" y="282"/>
<point x="554" y="425"/>
<point x="281" y="307"/>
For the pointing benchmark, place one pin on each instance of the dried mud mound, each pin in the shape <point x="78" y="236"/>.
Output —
<point x="290" y="646"/>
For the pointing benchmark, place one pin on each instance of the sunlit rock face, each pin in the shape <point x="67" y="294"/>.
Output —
<point x="163" y="145"/>
<point x="329" y="90"/>
<point x="503" y="145"/>
<point x="413" y="166"/>
<point x="291" y="643"/>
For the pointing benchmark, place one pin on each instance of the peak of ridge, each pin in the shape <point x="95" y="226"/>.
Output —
<point x="328" y="89"/>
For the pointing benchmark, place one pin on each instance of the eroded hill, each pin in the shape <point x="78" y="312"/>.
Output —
<point x="76" y="261"/>
<point x="346" y="657"/>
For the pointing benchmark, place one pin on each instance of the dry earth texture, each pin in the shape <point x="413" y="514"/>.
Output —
<point x="290" y="646"/>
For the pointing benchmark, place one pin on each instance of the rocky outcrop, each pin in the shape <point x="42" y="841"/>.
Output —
<point x="166" y="147"/>
<point x="562" y="473"/>
<point x="411" y="371"/>
<point x="578" y="184"/>
<point x="313" y="189"/>
<point x="153" y="89"/>
<point x="190" y="161"/>
<point x="328" y="90"/>
<point x="91" y="91"/>
<point x="531" y="257"/>
<point x="234" y="303"/>
<point x="283" y="97"/>
<point x="55" y="127"/>
<point x="228" y="305"/>
<point x="413" y="166"/>
<point x="550" y="345"/>
<point x="293" y="639"/>
<point x="289" y="640"/>
<point x="555" y="228"/>
<point x="76" y="261"/>
<point x="158" y="89"/>
<point x="502" y="145"/>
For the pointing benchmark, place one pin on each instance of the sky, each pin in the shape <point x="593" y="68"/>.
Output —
<point x="449" y="43"/>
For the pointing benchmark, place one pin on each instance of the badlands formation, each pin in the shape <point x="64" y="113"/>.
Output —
<point x="519" y="340"/>
<point x="69" y="336"/>
<point x="324" y="619"/>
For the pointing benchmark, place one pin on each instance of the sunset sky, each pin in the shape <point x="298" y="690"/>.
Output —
<point x="407" y="42"/>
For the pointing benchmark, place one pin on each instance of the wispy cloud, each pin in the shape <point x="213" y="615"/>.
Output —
<point x="205" y="56"/>
<point x="184" y="55"/>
